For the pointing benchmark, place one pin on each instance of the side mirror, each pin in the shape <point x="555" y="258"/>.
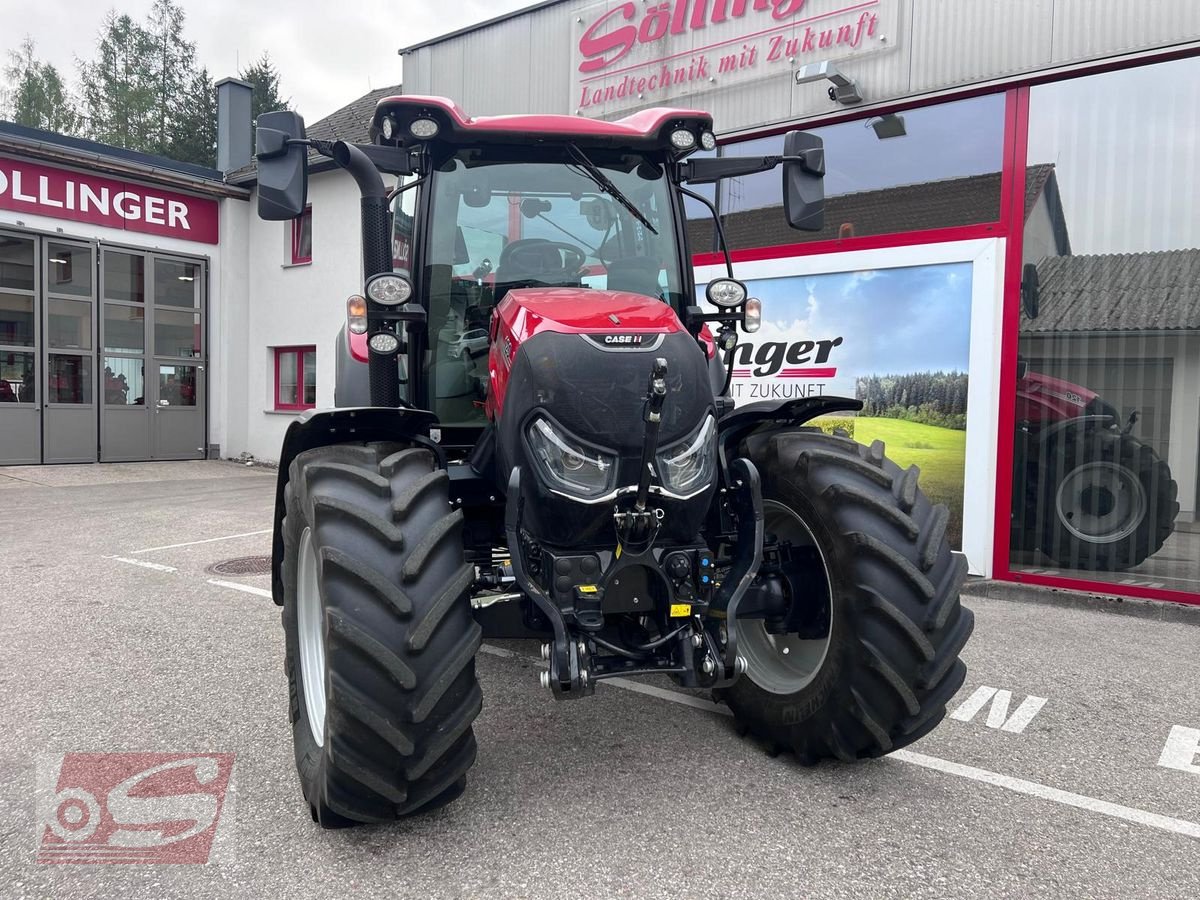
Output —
<point x="282" y="166"/>
<point x="804" y="181"/>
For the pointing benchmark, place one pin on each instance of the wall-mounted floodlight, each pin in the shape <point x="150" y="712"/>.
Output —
<point x="844" y="89"/>
<point x="889" y="126"/>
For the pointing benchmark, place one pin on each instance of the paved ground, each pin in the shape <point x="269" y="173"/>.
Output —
<point x="114" y="644"/>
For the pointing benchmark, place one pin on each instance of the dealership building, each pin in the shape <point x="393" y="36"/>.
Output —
<point x="1010" y="243"/>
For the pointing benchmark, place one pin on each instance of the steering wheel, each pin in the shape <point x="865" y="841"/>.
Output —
<point x="530" y="256"/>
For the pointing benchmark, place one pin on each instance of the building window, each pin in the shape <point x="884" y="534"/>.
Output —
<point x="302" y="238"/>
<point x="922" y="169"/>
<point x="295" y="377"/>
<point x="1106" y="469"/>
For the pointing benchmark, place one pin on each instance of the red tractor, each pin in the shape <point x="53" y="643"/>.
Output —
<point x="1088" y="494"/>
<point x="583" y="478"/>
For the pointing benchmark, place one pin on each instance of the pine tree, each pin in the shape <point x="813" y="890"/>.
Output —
<point x="194" y="131"/>
<point x="37" y="96"/>
<point x="118" y="86"/>
<point x="264" y="78"/>
<point x="172" y="66"/>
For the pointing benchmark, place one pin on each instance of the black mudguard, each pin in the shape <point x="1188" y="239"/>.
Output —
<point x="734" y="426"/>
<point x="320" y="428"/>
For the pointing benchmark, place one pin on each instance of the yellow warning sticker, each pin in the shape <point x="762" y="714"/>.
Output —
<point x="680" y="610"/>
<point x="587" y="589"/>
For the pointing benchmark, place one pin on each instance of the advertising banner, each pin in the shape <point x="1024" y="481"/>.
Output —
<point x="38" y="189"/>
<point x="896" y="339"/>
<point x="912" y="332"/>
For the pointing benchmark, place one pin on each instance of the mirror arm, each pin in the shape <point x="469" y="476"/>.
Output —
<point x="716" y="221"/>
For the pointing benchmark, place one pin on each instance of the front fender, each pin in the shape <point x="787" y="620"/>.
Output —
<point x="320" y="428"/>
<point x="734" y="426"/>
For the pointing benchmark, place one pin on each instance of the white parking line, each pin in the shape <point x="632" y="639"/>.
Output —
<point x="228" y="537"/>
<point x="1044" y="792"/>
<point x="158" y="567"/>
<point x="244" y="588"/>
<point x="1017" y="785"/>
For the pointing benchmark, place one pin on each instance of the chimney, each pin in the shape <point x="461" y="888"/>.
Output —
<point x="234" y="128"/>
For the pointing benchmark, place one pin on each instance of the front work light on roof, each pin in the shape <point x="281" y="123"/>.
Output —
<point x="682" y="139"/>
<point x="423" y="128"/>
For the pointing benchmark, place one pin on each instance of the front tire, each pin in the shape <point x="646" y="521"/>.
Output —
<point x="380" y="637"/>
<point x="1104" y="500"/>
<point x="877" y="656"/>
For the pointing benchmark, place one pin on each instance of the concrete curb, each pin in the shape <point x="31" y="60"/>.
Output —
<point x="1158" y="610"/>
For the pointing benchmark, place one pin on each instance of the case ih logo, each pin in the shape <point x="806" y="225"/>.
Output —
<point x="39" y="190"/>
<point x="624" y="340"/>
<point x="134" y="808"/>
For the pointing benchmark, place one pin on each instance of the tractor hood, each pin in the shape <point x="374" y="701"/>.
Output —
<point x="584" y="311"/>
<point x="581" y="360"/>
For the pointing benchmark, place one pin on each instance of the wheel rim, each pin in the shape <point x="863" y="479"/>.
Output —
<point x="784" y="663"/>
<point x="309" y="626"/>
<point x="1101" y="502"/>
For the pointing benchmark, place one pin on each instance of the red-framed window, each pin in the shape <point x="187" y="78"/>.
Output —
<point x="302" y="238"/>
<point x="295" y="378"/>
<point x="1092" y="227"/>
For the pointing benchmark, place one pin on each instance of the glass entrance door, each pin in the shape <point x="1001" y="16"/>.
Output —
<point x="177" y="421"/>
<point x="152" y="347"/>
<point x="124" y="420"/>
<point x="69" y="410"/>
<point x="20" y="412"/>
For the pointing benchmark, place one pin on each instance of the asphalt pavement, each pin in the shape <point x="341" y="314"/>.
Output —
<point x="1071" y="766"/>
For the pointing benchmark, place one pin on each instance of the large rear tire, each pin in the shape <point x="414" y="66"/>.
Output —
<point x="1103" y="500"/>
<point x="877" y="655"/>
<point x="380" y="637"/>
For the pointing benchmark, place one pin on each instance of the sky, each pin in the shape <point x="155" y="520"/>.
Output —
<point x="892" y="321"/>
<point x="327" y="53"/>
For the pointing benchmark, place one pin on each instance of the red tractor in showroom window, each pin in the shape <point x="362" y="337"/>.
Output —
<point x="582" y="477"/>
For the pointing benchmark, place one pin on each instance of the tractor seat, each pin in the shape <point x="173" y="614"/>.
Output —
<point x="532" y="261"/>
<point x="635" y="274"/>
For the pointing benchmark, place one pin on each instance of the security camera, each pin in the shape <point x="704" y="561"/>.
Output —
<point x="844" y="89"/>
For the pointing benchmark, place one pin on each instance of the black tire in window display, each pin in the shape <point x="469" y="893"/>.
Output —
<point x="1099" y="499"/>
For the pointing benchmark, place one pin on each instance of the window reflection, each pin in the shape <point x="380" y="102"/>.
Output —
<point x="176" y="333"/>
<point x="124" y="383"/>
<point x="1105" y="468"/>
<point x="16" y="263"/>
<point x="16" y="319"/>
<point x="69" y="378"/>
<point x="124" y="277"/>
<point x="124" y="329"/>
<point x="69" y="269"/>
<point x="69" y="324"/>
<point x="176" y="283"/>
<point x="934" y="167"/>
<point x="176" y="385"/>
<point x="18" y="383"/>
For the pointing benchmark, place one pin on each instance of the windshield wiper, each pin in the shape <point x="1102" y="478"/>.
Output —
<point x="602" y="181"/>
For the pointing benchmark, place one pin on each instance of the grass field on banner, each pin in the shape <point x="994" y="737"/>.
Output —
<point x="941" y="454"/>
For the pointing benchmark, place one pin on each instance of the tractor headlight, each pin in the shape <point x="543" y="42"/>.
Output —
<point x="726" y="292"/>
<point x="690" y="465"/>
<point x="389" y="289"/>
<point x="567" y="464"/>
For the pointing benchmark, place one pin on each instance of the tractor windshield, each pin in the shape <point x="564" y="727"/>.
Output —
<point x="498" y="225"/>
